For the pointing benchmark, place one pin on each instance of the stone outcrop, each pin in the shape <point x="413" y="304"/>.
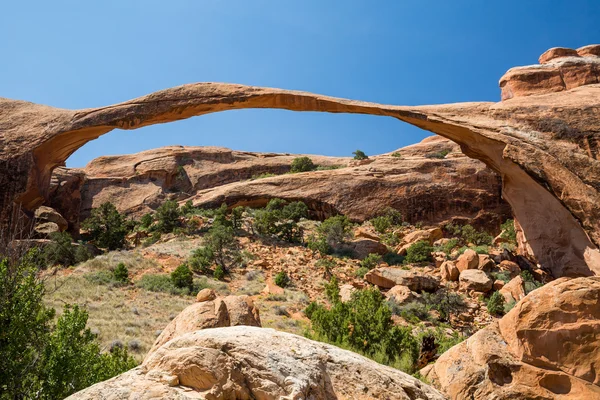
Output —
<point x="544" y="145"/>
<point x="476" y="280"/>
<point x="428" y="190"/>
<point x="388" y="277"/>
<point x="210" y="312"/>
<point x="246" y="362"/>
<point x="546" y="347"/>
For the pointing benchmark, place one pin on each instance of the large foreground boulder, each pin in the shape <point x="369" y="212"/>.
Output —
<point x="546" y="347"/>
<point x="245" y="362"/>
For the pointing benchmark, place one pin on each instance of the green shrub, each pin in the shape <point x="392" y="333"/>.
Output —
<point x="393" y="258"/>
<point x="101" y="277"/>
<point x="495" y="304"/>
<point x="280" y="219"/>
<point x="146" y="220"/>
<point x="302" y="164"/>
<point x="201" y="260"/>
<point x="106" y="227"/>
<point x="223" y="245"/>
<point x="60" y="249"/>
<point x="121" y="274"/>
<point x="445" y="302"/>
<point x="167" y="216"/>
<point x="361" y="272"/>
<point x="262" y="176"/>
<point x="359" y="155"/>
<point x="318" y="244"/>
<point x="370" y="261"/>
<point x="508" y="231"/>
<point x="336" y="230"/>
<point x="413" y="312"/>
<point x="418" y="252"/>
<point x="188" y="209"/>
<point x="449" y="246"/>
<point x="364" y="325"/>
<point x="82" y="254"/>
<point x="160" y="283"/>
<point x="390" y="239"/>
<point x="39" y="359"/>
<point x="439" y="154"/>
<point x="530" y="284"/>
<point x="282" y="279"/>
<point x="471" y="235"/>
<point x="236" y="216"/>
<point x="397" y="154"/>
<point x="509" y="306"/>
<point x="219" y="273"/>
<point x="328" y="167"/>
<point x="501" y="276"/>
<point x="328" y="263"/>
<point x="182" y="277"/>
<point x="381" y="224"/>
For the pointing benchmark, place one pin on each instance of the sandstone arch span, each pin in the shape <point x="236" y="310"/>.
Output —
<point x="543" y="144"/>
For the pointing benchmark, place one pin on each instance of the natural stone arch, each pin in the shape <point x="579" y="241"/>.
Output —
<point x="551" y="184"/>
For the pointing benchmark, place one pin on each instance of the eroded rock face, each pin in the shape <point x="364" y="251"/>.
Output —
<point x="423" y="189"/>
<point x="546" y="347"/>
<point x="543" y="145"/>
<point x="245" y="362"/>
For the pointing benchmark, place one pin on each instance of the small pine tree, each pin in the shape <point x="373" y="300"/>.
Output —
<point x="419" y="252"/>
<point x="302" y="164"/>
<point x="121" y="273"/>
<point x="182" y="277"/>
<point x="495" y="304"/>
<point x="282" y="279"/>
<point x="106" y="226"/>
<point x="359" y="155"/>
<point x="219" y="273"/>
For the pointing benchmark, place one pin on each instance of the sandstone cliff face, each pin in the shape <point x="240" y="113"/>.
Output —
<point x="246" y="362"/>
<point x="422" y="187"/>
<point x="546" y="347"/>
<point x="543" y="145"/>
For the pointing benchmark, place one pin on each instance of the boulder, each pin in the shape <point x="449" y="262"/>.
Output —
<point x="546" y="347"/>
<point x="513" y="290"/>
<point x="206" y="295"/>
<point x="511" y="267"/>
<point x="219" y="312"/>
<point x="401" y="295"/>
<point x="449" y="271"/>
<point x="45" y="214"/>
<point x="485" y="263"/>
<point x="467" y="260"/>
<point x="475" y="280"/>
<point x="346" y="292"/>
<point x="365" y="234"/>
<point x="257" y="363"/>
<point x="388" y="277"/>
<point x="363" y="247"/>
<point x="430" y="235"/>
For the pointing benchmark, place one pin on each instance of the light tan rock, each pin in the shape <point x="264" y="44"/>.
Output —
<point x="346" y="292"/>
<point x="388" y="277"/>
<point x="220" y="312"/>
<point x="449" y="271"/>
<point x="475" y="280"/>
<point x="546" y="347"/>
<point x="467" y="260"/>
<point x="365" y="234"/>
<point x="206" y="295"/>
<point x="430" y="235"/>
<point x="257" y="363"/>
<point x="401" y="294"/>
<point x="45" y="214"/>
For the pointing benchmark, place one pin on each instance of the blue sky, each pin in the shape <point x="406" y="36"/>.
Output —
<point x="79" y="54"/>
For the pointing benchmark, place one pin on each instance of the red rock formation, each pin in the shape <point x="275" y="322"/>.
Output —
<point x="424" y="189"/>
<point x="544" y="146"/>
<point x="546" y="347"/>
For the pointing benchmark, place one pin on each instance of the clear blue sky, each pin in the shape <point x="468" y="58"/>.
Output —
<point x="78" y="54"/>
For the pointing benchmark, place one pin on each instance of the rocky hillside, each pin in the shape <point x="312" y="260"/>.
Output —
<point x="428" y="182"/>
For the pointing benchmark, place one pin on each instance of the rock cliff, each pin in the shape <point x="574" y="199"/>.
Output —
<point x="418" y="180"/>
